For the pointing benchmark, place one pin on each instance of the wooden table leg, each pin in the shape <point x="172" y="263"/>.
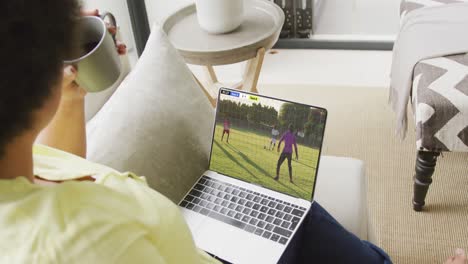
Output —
<point x="249" y="82"/>
<point x="206" y="92"/>
<point x="252" y="72"/>
<point x="211" y="75"/>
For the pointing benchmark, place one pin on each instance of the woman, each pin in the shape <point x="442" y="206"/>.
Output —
<point x="84" y="212"/>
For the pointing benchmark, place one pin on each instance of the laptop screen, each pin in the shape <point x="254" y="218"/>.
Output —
<point x="268" y="142"/>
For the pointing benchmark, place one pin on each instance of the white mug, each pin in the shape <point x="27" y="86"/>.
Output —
<point x="98" y="62"/>
<point x="220" y="16"/>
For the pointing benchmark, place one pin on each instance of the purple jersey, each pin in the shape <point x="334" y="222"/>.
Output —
<point x="226" y="124"/>
<point x="289" y="140"/>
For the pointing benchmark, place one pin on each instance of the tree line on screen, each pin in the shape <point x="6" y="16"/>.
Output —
<point x="307" y="120"/>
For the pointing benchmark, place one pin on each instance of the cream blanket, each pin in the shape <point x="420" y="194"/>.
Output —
<point x="425" y="33"/>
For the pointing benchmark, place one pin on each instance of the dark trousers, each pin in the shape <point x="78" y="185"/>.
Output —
<point x="321" y="239"/>
<point x="281" y="159"/>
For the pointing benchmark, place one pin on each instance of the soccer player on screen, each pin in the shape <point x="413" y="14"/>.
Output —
<point x="226" y="129"/>
<point x="289" y="140"/>
<point x="274" y="136"/>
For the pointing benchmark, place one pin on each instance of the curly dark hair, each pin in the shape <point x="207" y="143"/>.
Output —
<point x="36" y="38"/>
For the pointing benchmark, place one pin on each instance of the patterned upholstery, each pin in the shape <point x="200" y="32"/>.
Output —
<point x="440" y="103"/>
<point x="440" y="95"/>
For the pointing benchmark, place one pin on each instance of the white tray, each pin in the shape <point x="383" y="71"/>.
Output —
<point x="261" y="28"/>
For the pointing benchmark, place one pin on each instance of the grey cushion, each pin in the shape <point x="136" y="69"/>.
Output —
<point x="157" y="124"/>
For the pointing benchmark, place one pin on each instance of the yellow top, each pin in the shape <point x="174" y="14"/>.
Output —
<point x="116" y="219"/>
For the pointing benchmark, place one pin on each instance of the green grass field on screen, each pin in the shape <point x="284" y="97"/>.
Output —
<point x="247" y="157"/>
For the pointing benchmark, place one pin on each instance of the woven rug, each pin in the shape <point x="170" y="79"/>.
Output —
<point x="361" y="125"/>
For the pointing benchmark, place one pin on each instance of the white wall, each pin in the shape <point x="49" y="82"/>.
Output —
<point x="159" y="9"/>
<point x="378" y="16"/>
<point x="362" y="17"/>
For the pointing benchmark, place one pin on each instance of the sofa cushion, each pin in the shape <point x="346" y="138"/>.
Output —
<point x="158" y="123"/>
<point x="342" y="190"/>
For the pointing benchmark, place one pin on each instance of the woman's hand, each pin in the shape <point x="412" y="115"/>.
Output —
<point x="459" y="258"/>
<point x="71" y="91"/>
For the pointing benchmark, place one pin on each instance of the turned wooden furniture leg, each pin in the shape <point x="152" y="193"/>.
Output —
<point x="252" y="71"/>
<point x="206" y="92"/>
<point x="211" y="75"/>
<point x="425" y="166"/>
<point x="249" y="82"/>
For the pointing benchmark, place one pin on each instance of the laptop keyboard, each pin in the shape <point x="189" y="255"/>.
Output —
<point x="253" y="212"/>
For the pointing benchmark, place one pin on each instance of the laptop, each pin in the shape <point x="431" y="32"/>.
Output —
<point x="250" y="202"/>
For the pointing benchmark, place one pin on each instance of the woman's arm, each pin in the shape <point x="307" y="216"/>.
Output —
<point x="67" y="131"/>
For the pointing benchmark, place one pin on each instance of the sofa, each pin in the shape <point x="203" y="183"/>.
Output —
<point x="158" y="123"/>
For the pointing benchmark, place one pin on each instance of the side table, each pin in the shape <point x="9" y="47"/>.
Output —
<point x="257" y="34"/>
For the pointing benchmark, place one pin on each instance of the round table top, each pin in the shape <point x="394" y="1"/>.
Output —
<point x="260" y="29"/>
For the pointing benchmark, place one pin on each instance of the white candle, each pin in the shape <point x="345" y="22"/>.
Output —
<point x="220" y="16"/>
